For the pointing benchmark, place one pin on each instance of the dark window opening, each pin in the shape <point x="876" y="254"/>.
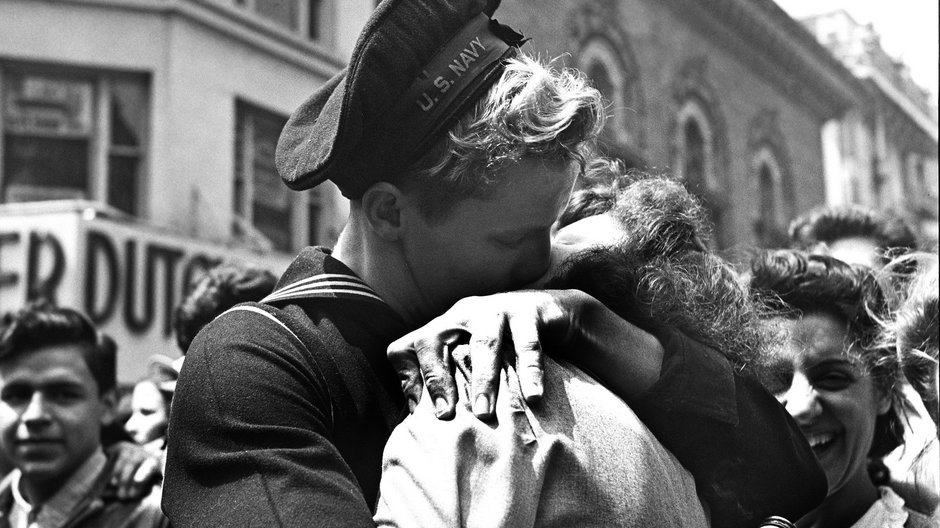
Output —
<point x="694" y="162"/>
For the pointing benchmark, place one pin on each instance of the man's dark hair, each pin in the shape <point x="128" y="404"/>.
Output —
<point x="793" y="283"/>
<point x="221" y="288"/>
<point x="42" y="325"/>
<point x="661" y="275"/>
<point x="828" y="224"/>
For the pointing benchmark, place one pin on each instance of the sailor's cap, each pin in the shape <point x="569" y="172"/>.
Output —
<point x="417" y="67"/>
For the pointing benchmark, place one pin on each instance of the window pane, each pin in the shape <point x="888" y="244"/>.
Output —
<point x="44" y="168"/>
<point x="313" y="221"/>
<point x="284" y="12"/>
<point x="129" y="122"/>
<point x="768" y="198"/>
<point x="601" y="79"/>
<point x="694" y="158"/>
<point x="275" y="223"/>
<point x="123" y="182"/>
<point x="315" y="20"/>
<point x="47" y="105"/>
<point x="270" y="201"/>
<point x="128" y="113"/>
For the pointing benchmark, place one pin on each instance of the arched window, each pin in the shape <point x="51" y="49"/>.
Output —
<point x="767" y="199"/>
<point x="605" y="68"/>
<point x="598" y="74"/>
<point x="694" y="162"/>
<point x="772" y="212"/>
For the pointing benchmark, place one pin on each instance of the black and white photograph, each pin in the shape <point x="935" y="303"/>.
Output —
<point x="469" y="263"/>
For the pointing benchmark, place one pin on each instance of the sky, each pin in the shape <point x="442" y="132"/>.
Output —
<point x="908" y="29"/>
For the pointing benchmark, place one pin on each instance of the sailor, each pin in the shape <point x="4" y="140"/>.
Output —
<point x="457" y="153"/>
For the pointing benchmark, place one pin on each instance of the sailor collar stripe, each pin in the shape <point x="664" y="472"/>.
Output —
<point x="326" y="285"/>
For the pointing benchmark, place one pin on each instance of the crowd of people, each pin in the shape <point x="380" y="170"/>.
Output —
<point x="512" y="330"/>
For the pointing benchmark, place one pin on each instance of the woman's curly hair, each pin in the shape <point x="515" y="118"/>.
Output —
<point x="913" y="329"/>
<point x="792" y="283"/>
<point x="661" y="275"/>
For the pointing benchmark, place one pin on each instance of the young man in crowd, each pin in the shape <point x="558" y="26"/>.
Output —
<point x="853" y="234"/>
<point x="57" y="388"/>
<point x="457" y="153"/>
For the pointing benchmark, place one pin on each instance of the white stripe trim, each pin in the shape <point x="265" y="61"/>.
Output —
<point x="261" y="312"/>
<point x="307" y="291"/>
<point x="285" y="327"/>
<point x="348" y="278"/>
<point x="323" y="284"/>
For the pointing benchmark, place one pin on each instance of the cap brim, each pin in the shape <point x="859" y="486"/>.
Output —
<point x="312" y="134"/>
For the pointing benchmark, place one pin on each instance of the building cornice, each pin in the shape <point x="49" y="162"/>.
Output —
<point x="904" y="106"/>
<point x="229" y="22"/>
<point x="779" y="49"/>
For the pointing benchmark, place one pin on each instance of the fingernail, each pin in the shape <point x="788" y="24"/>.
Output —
<point x="481" y="406"/>
<point x="440" y="407"/>
<point x="533" y="393"/>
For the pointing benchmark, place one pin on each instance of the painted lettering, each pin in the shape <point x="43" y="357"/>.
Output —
<point x="153" y="255"/>
<point x="170" y="258"/>
<point x="427" y="102"/>
<point x="467" y="59"/>
<point x="468" y="55"/>
<point x="474" y="44"/>
<point x="100" y="247"/>
<point x="44" y="287"/>
<point x="7" y="277"/>
<point x="137" y="324"/>
<point x="457" y="68"/>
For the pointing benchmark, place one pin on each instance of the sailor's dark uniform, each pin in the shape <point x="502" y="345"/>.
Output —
<point x="283" y="408"/>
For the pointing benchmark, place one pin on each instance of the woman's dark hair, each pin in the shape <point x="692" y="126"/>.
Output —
<point x="221" y="288"/>
<point x="792" y="283"/>
<point x="42" y="325"/>
<point x="661" y="275"/>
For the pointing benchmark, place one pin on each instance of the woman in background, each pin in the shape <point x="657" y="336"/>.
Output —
<point x="150" y="413"/>
<point x="836" y="380"/>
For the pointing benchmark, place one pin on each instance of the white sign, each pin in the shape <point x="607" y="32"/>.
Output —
<point x="128" y="278"/>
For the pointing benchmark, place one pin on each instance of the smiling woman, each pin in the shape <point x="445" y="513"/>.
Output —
<point x="833" y="377"/>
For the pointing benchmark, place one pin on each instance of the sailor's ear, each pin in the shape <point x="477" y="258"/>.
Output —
<point x="382" y="205"/>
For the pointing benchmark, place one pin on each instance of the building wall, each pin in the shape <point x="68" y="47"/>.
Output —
<point x="198" y="59"/>
<point x="673" y="52"/>
<point x="885" y="152"/>
<point x="200" y="62"/>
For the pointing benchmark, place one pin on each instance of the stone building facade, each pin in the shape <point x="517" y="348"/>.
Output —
<point x="169" y="110"/>
<point x="137" y="148"/>
<point x="883" y="152"/>
<point x="729" y="95"/>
